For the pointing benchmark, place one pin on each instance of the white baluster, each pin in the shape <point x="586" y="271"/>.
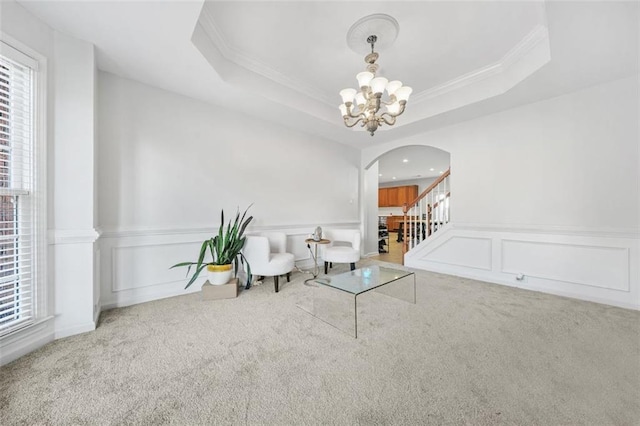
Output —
<point x="413" y="210"/>
<point x="421" y="223"/>
<point x="431" y="215"/>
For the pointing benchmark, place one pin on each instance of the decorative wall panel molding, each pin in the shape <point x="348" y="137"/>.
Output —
<point x="136" y="261"/>
<point x="146" y="265"/>
<point x="606" y="267"/>
<point x="470" y="252"/>
<point x="596" y="265"/>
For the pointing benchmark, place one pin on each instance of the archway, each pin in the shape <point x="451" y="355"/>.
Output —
<point x="393" y="178"/>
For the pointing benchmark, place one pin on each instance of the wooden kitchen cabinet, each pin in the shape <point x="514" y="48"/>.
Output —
<point x="397" y="196"/>
<point x="393" y="196"/>
<point x="406" y="194"/>
<point x="393" y="223"/>
<point x="383" y="197"/>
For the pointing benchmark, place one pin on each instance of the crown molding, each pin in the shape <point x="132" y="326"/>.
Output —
<point x="232" y="54"/>
<point x="537" y="36"/>
<point x="533" y="39"/>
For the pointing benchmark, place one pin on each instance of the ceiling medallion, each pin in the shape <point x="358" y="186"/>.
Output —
<point x="365" y="106"/>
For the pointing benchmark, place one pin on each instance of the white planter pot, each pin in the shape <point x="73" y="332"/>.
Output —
<point x="219" y="274"/>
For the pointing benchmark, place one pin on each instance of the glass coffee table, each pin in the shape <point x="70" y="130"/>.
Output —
<point x="335" y="298"/>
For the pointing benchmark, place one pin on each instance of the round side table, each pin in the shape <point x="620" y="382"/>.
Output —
<point x="315" y="254"/>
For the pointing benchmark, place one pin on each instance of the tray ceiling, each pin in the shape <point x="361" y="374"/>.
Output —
<point x="285" y="62"/>
<point x="451" y="53"/>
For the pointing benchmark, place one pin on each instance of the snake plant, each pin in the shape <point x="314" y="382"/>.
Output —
<point x="224" y="248"/>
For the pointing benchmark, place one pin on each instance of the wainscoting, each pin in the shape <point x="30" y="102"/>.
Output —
<point x="599" y="266"/>
<point x="135" y="263"/>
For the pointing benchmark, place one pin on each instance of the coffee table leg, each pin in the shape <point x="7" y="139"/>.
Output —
<point x="355" y="316"/>
<point x="414" y="289"/>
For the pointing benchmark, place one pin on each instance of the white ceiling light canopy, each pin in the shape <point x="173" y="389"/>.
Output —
<point x="364" y="106"/>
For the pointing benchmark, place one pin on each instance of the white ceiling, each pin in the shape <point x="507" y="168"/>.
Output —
<point x="303" y="44"/>
<point x="421" y="162"/>
<point x="437" y="41"/>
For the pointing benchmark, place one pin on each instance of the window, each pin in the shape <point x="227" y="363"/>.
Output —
<point x="18" y="243"/>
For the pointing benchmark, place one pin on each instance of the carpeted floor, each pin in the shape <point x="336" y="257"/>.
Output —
<point x="466" y="353"/>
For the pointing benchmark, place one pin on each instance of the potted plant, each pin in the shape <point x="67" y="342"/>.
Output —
<point x="225" y="250"/>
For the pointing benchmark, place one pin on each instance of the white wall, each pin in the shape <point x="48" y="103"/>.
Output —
<point x="370" y="217"/>
<point x="168" y="164"/>
<point x="69" y="100"/>
<point x="563" y="167"/>
<point x="72" y="183"/>
<point x="553" y="163"/>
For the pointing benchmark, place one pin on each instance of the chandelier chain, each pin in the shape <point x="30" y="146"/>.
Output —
<point x="372" y="40"/>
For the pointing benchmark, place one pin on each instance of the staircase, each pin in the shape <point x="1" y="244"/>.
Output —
<point x="426" y="214"/>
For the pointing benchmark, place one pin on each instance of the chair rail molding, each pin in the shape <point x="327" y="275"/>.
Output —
<point x="73" y="236"/>
<point x="140" y="231"/>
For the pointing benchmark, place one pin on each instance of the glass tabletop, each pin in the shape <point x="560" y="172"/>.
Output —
<point x="364" y="279"/>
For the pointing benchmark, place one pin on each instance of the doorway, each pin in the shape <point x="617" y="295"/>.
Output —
<point x="403" y="174"/>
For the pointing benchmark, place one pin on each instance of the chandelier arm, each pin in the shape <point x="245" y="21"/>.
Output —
<point x="388" y="122"/>
<point x="399" y="112"/>
<point x="392" y="100"/>
<point x="350" y="112"/>
<point x="352" y="124"/>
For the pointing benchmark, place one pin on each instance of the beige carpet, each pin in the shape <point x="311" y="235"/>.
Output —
<point x="466" y="353"/>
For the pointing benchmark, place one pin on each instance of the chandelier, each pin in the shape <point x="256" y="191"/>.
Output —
<point x="365" y="106"/>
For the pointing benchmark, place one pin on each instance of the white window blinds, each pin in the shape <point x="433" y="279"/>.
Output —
<point x="17" y="239"/>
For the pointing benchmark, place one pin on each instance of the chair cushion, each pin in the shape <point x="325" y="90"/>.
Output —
<point x="279" y="264"/>
<point x="341" y="254"/>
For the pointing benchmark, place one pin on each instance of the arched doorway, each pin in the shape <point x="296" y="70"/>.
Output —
<point x="402" y="174"/>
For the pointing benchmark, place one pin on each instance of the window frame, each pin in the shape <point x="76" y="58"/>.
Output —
<point x="42" y="303"/>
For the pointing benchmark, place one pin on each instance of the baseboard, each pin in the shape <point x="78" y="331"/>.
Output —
<point x="494" y="279"/>
<point x="76" y="329"/>
<point x="128" y="300"/>
<point x="27" y="340"/>
<point x="96" y="314"/>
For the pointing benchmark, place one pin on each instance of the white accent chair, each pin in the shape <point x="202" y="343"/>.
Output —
<point x="267" y="255"/>
<point x="343" y="248"/>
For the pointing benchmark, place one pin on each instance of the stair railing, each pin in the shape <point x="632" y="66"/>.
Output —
<point x="427" y="213"/>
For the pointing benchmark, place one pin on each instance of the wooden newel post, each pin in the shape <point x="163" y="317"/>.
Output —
<point x="405" y="229"/>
